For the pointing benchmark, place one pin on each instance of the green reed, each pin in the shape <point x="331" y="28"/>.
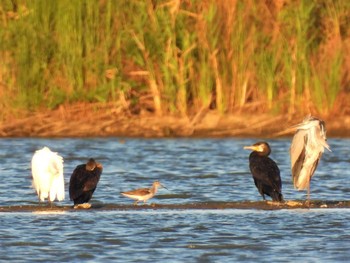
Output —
<point x="185" y="55"/>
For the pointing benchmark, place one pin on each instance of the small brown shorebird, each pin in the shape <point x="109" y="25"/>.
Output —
<point x="143" y="194"/>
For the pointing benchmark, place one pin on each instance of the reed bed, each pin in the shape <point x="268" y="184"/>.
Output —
<point x="175" y="57"/>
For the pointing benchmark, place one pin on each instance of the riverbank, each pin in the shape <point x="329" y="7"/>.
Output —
<point x="103" y="120"/>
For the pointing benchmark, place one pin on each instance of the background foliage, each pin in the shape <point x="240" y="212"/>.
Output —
<point x="175" y="57"/>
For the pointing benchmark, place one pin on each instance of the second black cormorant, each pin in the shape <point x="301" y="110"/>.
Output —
<point x="83" y="183"/>
<point x="265" y="171"/>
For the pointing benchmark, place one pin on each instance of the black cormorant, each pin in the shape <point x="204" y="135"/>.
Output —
<point x="265" y="171"/>
<point x="83" y="183"/>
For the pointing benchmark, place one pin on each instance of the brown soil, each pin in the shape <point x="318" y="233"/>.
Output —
<point x="257" y="205"/>
<point x="112" y="119"/>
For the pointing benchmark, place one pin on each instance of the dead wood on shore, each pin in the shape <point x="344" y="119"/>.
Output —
<point x="116" y="119"/>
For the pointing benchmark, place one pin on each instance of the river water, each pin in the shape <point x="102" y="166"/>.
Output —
<point x="194" y="170"/>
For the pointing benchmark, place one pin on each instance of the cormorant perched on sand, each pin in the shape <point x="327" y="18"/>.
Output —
<point x="306" y="150"/>
<point x="265" y="171"/>
<point x="83" y="183"/>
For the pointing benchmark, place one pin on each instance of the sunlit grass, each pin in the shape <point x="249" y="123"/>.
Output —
<point x="186" y="55"/>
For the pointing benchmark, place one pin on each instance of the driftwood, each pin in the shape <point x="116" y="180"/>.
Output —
<point x="116" y="119"/>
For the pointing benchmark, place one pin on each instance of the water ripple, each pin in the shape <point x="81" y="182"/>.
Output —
<point x="193" y="171"/>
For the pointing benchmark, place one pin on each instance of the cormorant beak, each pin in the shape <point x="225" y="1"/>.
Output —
<point x="256" y="148"/>
<point x="251" y="147"/>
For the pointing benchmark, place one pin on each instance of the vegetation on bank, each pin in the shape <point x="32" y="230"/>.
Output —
<point x="175" y="57"/>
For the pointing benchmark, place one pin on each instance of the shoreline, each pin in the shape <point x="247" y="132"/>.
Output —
<point x="111" y="121"/>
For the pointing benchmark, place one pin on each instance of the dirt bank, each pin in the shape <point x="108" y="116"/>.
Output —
<point x="101" y="120"/>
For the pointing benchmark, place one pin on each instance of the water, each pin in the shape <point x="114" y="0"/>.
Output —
<point x="194" y="171"/>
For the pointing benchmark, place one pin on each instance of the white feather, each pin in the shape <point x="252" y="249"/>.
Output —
<point x="47" y="172"/>
<point x="312" y="129"/>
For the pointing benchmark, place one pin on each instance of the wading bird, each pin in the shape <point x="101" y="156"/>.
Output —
<point x="143" y="194"/>
<point x="47" y="172"/>
<point x="83" y="182"/>
<point x="306" y="150"/>
<point x="265" y="171"/>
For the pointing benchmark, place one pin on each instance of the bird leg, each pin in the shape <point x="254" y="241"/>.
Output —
<point x="135" y="203"/>
<point x="308" y="195"/>
<point x="50" y="203"/>
<point x="262" y="194"/>
<point x="39" y="194"/>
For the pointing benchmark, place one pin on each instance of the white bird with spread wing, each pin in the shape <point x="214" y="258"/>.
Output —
<point x="306" y="150"/>
<point x="47" y="172"/>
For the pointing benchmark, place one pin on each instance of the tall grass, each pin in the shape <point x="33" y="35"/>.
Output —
<point x="284" y="56"/>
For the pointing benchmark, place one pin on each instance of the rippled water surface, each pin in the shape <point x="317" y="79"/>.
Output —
<point x="194" y="171"/>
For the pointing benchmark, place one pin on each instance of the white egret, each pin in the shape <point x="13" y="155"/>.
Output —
<point x="47" y="172"/>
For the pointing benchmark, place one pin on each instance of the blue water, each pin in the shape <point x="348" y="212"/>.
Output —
<point x="194" y="171"/>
